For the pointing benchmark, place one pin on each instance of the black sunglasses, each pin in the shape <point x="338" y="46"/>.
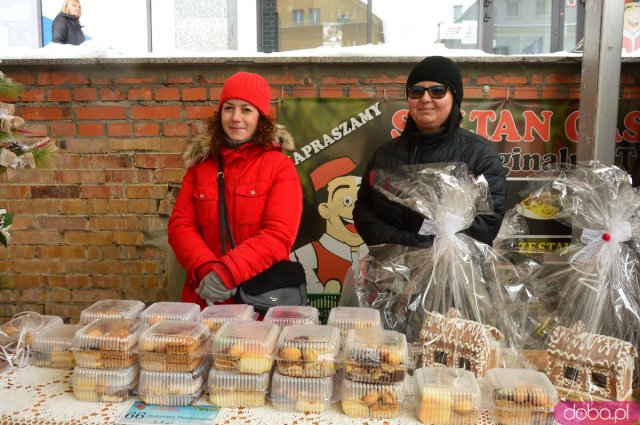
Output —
<point x="435" y="92"/>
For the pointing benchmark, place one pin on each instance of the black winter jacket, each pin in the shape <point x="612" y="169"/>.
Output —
<point x="67" y="30"/>
<point x="380" y="221"/>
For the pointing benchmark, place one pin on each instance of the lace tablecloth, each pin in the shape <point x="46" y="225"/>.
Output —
<point x="41" y="396"/>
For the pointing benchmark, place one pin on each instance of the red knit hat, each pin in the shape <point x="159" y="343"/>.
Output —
<point x="252" y="88"/>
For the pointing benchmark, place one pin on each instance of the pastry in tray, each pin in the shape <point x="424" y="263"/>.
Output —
<point x="376" y="355"/>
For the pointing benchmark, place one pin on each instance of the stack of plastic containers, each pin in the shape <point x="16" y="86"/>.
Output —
<point x="111" y="309"/>
<point x="52" y="348"/>
<point x="446" y="396"/>
<point x="174" y="362"/>
<point x="519" y="396"/>
<point x="306" y="365"/>
<point x="215" y="316"/>
<point x="376" y="363"/>
<point x="242" y="354"/>
<point x="284" y="315"/>
<point x="170" y="310"/>
<point x="106" y="360"/>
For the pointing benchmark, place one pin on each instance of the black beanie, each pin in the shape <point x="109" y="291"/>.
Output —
<point x="440" y="70"/>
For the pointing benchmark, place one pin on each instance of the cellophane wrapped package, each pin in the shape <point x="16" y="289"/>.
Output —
<point x="458" y="300"/>
<point x="592" y="289"/>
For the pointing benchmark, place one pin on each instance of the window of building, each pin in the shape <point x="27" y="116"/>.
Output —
<point x="599" y="379"/>
<point x="571" y="373"/>
<point x="314" y="16"/>
<point x="297" y="16"/>
<point x="543" y="8"/>
<point x="440" y="357"/>
<point x="464" y="363"/>
<point x="513" y="9"/>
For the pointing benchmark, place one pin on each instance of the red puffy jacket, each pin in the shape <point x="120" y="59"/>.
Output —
<point x="264" y="204"/>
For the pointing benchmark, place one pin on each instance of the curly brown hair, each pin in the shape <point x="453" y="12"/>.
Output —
<point x="264" y="135"/>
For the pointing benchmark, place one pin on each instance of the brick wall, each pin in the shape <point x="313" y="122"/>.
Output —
<point x="93" y="224"/>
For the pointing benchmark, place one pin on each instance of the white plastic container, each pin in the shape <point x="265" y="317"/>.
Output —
<point x="52" y="348"/>
<point x="368" y="400"/>
<point x="301" y="394"/>
<point x="284" y="315"/>
<point x="446" y="396"/>
<point x="32" y="324"/>
<point x="308" y="351"/>
<point x="519" y="396"/>
<point x="107" y="343"/>
<point x="347" y="318"/>
<point x="229" y="389"/>
<point x="114" y="309"/>
<point x="104" y="385"/>
<point x="170" y="310"/>
<point x="172" y="388"/>
<point x="215" y="316"/>
<point x="376" y="355"/>
<point x="245" y="347"/>
<point x="173" y="346"/>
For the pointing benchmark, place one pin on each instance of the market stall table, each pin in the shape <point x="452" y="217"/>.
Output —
<point x="42" y="396"/>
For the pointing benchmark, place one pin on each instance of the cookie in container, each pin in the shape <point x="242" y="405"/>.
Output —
<point x="245" y="347"/>
<point x="215" y="316"/>
<point x="32" y="324"/>
<point x="230" y="389"/>
<point x="301" y="394"/>
<point x="308" y="351"/>
<point x="173" y="388"/>
<point x="108" y="343"/>
<point x="519" y="396"/>
<point x="376" y="355"/>
<point x="170" y="310"/>
<point x="368" y="400"/>
<point x="173" y="346"/>
<point x="287" y="315"/>
<point x="347" y="318"/>
<point x="114" y="309"/>
<point x="104" y="385"/>
<point x="446" y="396"/>
<point x="52" y="348"/>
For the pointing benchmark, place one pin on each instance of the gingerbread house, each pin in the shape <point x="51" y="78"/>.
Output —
<point x="449" y="341"/>
<point x="584" y="365"/>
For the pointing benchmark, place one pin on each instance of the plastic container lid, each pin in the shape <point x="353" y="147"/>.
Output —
<point x="170" y="310"/>
<point x="232" y="382"/>
<point x="347" y="318"/>
<point x="109" y="335"/>
<point x="308" y="350"/>
<point x="55" y="340"/>
<point x="216" y="315"/>
<point x="446" y="396"/>
<point x="116" y="378"/>
<point x="376" y="355"/>
<point x="121" y="309"/>
<point x="174" y="336"/>
<point x="301" y="394"/>
<point x="518" y="390"/>
<point x="284" y="315"/>
<point x="162" y="383"/>
<point x="371" y="400"/>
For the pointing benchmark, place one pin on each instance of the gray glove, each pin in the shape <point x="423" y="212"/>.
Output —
<point x="212" y="288"/>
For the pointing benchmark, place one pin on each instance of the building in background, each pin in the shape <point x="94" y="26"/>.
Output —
<point x="305" y="24"/>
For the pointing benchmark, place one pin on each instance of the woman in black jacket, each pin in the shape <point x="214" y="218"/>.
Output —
<point x="66" y="28"/>
<point x="432" y="135"/>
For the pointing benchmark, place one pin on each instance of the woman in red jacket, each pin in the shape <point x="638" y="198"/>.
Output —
<point x="262" y="192"/>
